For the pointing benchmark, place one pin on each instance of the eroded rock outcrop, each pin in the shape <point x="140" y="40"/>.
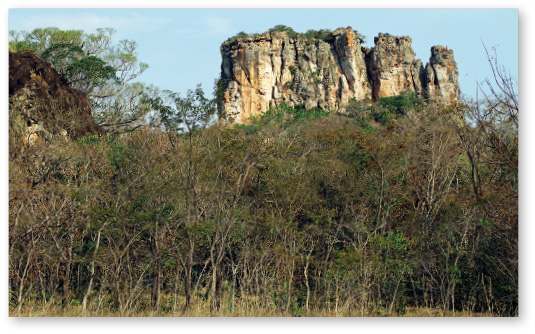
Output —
<point x="441" y="76"/>
<point x="393" y="67"/>
<point x="48" y="104"/>
<point x="269" y="69"/>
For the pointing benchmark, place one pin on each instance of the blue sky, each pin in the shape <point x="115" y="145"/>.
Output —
<point x="181" y="46"/>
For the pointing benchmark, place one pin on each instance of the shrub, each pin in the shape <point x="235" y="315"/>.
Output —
<point x="280" y="27"/>
<point x="402" y="103"/>
<point x="241" y="34"/>
<point x="312" y="35"/>
<point x="289" y="115"/>
<point x="322" y="34"/>
<point x="362" y="38"/>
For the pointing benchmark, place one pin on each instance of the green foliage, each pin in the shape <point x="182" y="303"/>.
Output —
<point x="89" y="139"/>
<point x="20" y="45"/>
<point x="219" y="89"/>
<point x="285" y="114"/>
<point x="289" y="31"/>
<point x="295" y="189"/>
<point x="311" y="35"/>
<point x="118" y="157"/>
<point x="390" y="108"/>
<point x="62" y="54"/>
<point x="175" y="113"/>
<point x="38" y="40"/>
<point x="384" y="116"/>
<point x="325" y="35"/>
<point x="91" y="70"/>
<point x="241" y="34"/>
<point x="362" y="38"/>
<point x="316" y="77"/>
<point x="249" y="128"/>
<point x="401" y="103"/>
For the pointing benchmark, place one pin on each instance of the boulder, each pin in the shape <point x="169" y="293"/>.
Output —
<point x="47" y="103"/>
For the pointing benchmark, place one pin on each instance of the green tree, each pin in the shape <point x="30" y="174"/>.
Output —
<point x="402" y="103"/>
<point x="184" y="114"/>
<point x="127" y="110"/>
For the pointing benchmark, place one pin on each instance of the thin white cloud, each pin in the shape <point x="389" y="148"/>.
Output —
<point x="90" y="21"/>
<point x="208" y="26"/>
<point x="217" y="24"/>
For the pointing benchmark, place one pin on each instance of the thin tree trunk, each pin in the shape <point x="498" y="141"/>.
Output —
<point x="394" y="297"/>
<point x="213" y="302"/>
<point x="156" y="277"/>
<point x="187" y="281"/>
<point x="156" y="273"/>
<point x="215" y="260"/>
<point x="289" y="290"/>
<point x="23" y="278"/>
<point x="66" y="278"/>
<point x="92" y="269"/>
<point x="306" y="277"/>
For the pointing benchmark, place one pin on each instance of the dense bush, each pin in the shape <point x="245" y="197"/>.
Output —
<point x="400" y="104"/>
<point x="302" y="212"/>
<point x="289" y="31"/>
<point x="298" y="113"/>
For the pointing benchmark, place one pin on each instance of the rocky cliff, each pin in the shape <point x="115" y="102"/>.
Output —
<point x="271" y="68"/>
<point x="48" y="104"/>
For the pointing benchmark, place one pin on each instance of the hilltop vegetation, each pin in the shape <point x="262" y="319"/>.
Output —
<point x="311" y="34"/>
<point x="398" y="207"/>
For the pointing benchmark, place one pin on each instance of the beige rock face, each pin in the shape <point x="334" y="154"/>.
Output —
<point x="32" y="137"/>
<point x="270" y="69"/>
<point x="441" y="76"/>
<point x="393" y="66"/>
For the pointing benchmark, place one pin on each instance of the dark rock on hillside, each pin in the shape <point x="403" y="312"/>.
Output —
<point x="45" y="99"/>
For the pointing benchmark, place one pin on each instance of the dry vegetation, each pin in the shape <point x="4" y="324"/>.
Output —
<point x="399" y="208"/>
<point x="296" y="215"/>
